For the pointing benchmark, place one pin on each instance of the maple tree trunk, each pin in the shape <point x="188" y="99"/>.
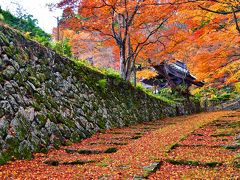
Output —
<point x="134" y="77"/>
<point x="122" y="63"/>
<point x="125" y="64"/>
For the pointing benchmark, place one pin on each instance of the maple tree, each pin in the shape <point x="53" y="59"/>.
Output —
<point x="192" y="31"/>
<point x="210" y="42"/>
<point x="130" y="25"/>
<point x="86" y="46"/>
<point x="223" y="7"/>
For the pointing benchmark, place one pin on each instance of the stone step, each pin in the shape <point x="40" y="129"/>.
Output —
<point x="91" y="151"/>
<point x="148" y="170"/>
<point x="194" y="163"/>
<point x="108" y="143"/>
<point x="119" y="132"/>
<point x="76" y="162"/>
<point x="230" y="146"/>
<point x="122" y="138"/>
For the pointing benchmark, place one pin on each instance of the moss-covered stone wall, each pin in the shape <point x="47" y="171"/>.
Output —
<point x="47" y="101"/>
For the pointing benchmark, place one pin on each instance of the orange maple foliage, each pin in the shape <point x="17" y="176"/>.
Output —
<point x="131" y="26"/>
<point x="203" y="34"/>
<point x="212" y="43"/>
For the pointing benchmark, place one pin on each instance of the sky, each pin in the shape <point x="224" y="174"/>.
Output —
<point x="37" y="8"/>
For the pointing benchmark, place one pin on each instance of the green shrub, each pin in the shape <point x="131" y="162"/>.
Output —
<point x="62" y="47"/>
<point x="102" y="83"/>
<point x="1" y="17"/>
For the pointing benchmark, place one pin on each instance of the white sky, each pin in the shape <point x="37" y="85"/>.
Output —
<point x="38" y="9"/>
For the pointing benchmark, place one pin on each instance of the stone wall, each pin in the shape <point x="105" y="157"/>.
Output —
<point x="231" y="105"/>
<point x="47" y="100"/>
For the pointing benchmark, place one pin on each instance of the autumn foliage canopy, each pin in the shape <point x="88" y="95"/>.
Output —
<point x="204" y="34"/>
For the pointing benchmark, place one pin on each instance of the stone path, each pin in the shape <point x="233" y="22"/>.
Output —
<point x="204" y="145"/>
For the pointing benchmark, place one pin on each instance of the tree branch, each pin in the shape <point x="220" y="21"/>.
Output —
<point x="236" y="20"/>
<point x="220" y="12"/>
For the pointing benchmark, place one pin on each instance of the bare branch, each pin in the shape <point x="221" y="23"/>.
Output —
<point x="150" y="35"/>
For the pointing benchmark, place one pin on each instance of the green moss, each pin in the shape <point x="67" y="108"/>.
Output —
<point x="53" y="103"/>
<point x="102" y="83"/>
<point x="19" y="78"/>
<point x="103" y="163"/>
<point x="9" y="50"/>
<point x="231" y="147"/>
<point x="183" y="162"/>
<point x="117" y="81"/>
<point x="51" y="162"/>
<point x="67" y="143"/>
<point x="41" y="77"/>
<point x="4" y="158"/>
<point x="12" y="142"/>
<point x="60" y="118"/>
<point x="220" y="135"/>
<point x="79" y="162"/>
<point x="57" y="143"/>
<point x="75" y="137"/>
<point x="198" y="134"/>
<point x="102" y="123"/>
<point x="21" y="127"/>
<point x="47" y="73"/>
<point x="25" y="151"/>
<point x="12" y="148"/>
<point x="39" y="98"/>
<point x="42" y="119"/>
<point x="34" y="81"/>
<point x="212" y="164"/>
<point x="1" y="79"/>
<point x="236" y="162"/>
<point x="88" y="151"/>
<point x="238" y="142"/>
<point x="111" y="150"/>
<point x="51" y="117"/>
<point x="43" y="150"/>
<point x="139" y="133"/>
<point x="71" y="151"/>
<point x="136" y="137"/>
<point x="234" y="124"/>
<point x="36" y="106"/>
<point x="193" y="163"/>
<point x="119" y="143"/>
<point x="48" y="105"/>
<point x="4" y="39"/>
